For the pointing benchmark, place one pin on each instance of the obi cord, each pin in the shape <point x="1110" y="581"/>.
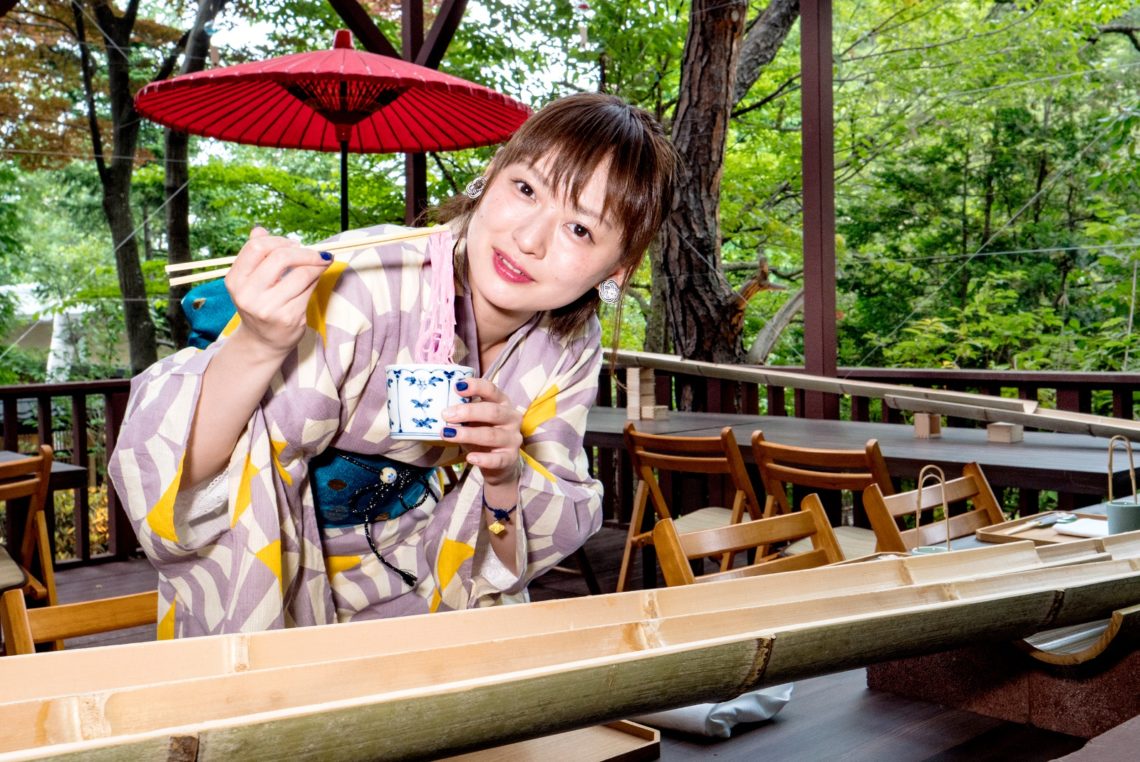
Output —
<point x="351" y="489"/>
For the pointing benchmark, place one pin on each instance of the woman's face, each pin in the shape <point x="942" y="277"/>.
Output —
<point x="529" y="249"/>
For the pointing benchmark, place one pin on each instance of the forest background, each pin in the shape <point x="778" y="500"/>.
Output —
<point x="987" y="184"/>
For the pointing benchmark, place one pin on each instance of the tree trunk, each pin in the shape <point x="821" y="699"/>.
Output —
<point x="177" y="190"/>
<point x="141" y="339"/>
<point x="116" y="182"/>
<point x="705" y="315"/>
<point x="766" y="35"/>
<point x="177" y="175"/>
<point x="657" y="323"/>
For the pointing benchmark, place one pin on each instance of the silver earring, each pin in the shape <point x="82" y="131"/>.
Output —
<point x="609" y="291"/>
<point x="475" y="188"/>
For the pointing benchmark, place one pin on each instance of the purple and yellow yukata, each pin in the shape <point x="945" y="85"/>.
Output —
<point x="264" y="561"/>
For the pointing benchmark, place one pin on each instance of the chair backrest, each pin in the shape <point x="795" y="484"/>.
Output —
<point x="23" y="628"/>
<point x="675" y="550"/>
<point x="27" y="478"/>
<point x="652" y="454"/>
<point x="886" y="511"/>
<point x="782" y="465"/>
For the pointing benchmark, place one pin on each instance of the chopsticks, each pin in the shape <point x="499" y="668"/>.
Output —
<point x="221" y="264"/>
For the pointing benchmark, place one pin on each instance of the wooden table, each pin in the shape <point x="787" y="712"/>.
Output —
<point x="1068" y="463"/>
<point x="63" y="476"/>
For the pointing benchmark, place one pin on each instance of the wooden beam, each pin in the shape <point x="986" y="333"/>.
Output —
<point x="441" y="33"/>
<point x="828" y="384"/>
<point x="412" y="27"/>
<point x="363" y="28"/>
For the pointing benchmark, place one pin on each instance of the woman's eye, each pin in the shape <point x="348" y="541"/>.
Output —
<point x="579" y="231"/>
<point x="524" y="189"/>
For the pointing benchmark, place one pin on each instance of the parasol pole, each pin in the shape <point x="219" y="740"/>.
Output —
<point x="343" y="185"/>
<point x="344" y="40"/>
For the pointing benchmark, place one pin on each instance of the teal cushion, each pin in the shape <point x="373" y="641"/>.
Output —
<point x="11" y="575"/>
<point x="208" y="309"/>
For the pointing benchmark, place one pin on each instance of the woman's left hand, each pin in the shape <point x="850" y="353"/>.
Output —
<point x="491" y="433"/>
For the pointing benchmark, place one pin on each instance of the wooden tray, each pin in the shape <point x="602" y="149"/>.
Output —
<point x="1039" y="535"/>
<point x="621" y="741"/>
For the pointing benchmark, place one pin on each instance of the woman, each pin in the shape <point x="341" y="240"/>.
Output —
<point x="216" y="460"/>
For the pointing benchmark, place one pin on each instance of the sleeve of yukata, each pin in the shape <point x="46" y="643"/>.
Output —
<point x="261" y="566"/>
<point x="560" y="503"/>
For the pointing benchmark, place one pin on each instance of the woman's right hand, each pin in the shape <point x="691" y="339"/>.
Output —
<point x="270" y="283"/>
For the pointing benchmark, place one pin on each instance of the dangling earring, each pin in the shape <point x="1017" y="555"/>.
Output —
<point x="609" y="291"/>
<point x="475" y="188"/>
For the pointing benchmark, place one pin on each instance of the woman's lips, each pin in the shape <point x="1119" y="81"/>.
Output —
<point x="508" y="270"/>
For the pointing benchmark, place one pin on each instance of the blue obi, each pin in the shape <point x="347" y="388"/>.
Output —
<point x="351" y="489"/>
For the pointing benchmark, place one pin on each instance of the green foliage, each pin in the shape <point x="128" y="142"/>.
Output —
<point x="985" y="195"/>
<point x="986" y="169"/>
<point x="22" y="366"/>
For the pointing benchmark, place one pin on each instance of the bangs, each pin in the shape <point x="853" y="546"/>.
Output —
<point x="572" y="143"/>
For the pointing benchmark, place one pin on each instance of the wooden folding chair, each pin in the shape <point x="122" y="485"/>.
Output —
<point x="886" y="511"/>
<point x="676" y="551"/>
<point x="784" y="465"/>
<point x="23" y="627"/>
<point x="27" y="478"/>
<point x="651" y="454"/>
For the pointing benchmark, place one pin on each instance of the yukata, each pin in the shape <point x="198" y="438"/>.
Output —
<point x="263" y="561"/>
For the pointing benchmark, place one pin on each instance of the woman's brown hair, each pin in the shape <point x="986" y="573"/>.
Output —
<point x="578" y="134"/>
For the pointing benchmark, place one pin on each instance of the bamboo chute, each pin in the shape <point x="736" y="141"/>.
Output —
<point x="979" y="407"/>
<point x="431" y="685"/>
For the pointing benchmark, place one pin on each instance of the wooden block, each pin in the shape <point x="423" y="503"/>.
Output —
<point x="1005" y="432"/>
<point x="927" y="426"/>
<point x="652" y="412"/>
<point x="640" y="392"/>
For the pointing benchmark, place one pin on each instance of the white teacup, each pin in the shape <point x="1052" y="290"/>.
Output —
<point x="418" y="393"/>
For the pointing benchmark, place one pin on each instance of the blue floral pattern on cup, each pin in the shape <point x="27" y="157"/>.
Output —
<point x="418" y="393"/>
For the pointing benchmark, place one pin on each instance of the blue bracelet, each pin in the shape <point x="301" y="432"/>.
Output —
<point x="502" y="517"/>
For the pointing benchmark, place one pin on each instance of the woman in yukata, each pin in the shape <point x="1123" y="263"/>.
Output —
<point x="259" y="473"/>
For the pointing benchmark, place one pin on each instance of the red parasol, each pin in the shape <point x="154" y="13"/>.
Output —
<point x="334" y="100"/>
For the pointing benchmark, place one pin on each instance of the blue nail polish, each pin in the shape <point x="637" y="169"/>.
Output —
<point x="326" y="256"/>
<point x="448" y="432"/>
<point x="461" y="386"/>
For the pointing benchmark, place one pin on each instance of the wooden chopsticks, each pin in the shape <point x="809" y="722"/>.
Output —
<point x="221" y="264"/>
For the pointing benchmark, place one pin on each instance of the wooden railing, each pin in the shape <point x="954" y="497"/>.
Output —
<point x="81" y="420"/>
<point x="1111" y="394"/>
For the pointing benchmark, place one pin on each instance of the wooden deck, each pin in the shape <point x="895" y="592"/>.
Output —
<point x="834" y="717"/>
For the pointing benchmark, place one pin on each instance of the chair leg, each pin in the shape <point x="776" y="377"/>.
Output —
<point x="623" y="573"/>
<point x="47" y="561"/>
<point x="636" y="519"/>
<point x="14" y="624"/>
<point x="587" y="571"/>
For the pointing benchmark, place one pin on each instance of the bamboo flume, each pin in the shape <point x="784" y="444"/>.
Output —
<point x="444" y="683"/>
<point x="980" y="407"/>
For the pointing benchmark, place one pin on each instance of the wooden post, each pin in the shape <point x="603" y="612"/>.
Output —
<point x="818" y="153"/>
